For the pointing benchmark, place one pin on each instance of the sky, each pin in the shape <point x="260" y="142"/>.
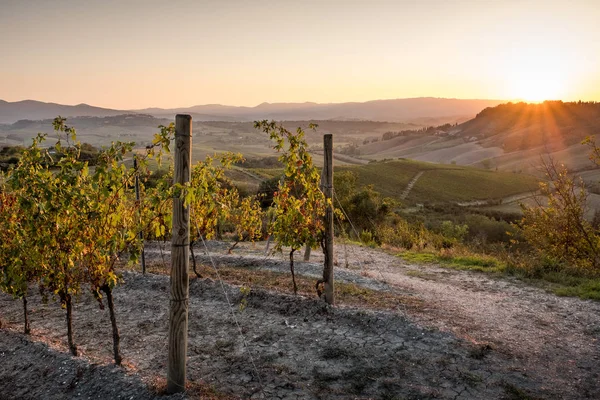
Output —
<point x="131" y="54"/>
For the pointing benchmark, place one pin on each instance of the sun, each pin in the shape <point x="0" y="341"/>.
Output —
<point x="537" y="77"/>
<point x="538" y="86"/>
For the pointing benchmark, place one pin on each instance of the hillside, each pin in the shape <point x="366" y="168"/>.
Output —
<point x="429" y="182"/>
<point x="438" y="183"/>
<point x="506" y="137"/>
<point x="509" y="137"/>
<point x="553" y="125"/>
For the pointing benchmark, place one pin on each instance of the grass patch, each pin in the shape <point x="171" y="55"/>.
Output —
<point x="464" y="184"/>
<point x="585" y="290"/>
<point x="560" y="283"/>
<point x="563" y="284"/>
<point x="348" y="294"/>
<point x="471" y="262"/>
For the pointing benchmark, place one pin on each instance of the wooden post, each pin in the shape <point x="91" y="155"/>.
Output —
<point x="328" y="191"/>
<point x="307" y="253"/>
<point x="137" y="198"/>
<point x="180" y="244"/>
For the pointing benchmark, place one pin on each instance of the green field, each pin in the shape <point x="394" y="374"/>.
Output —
<point x="465" y="184"/>
<point x="440" y="183"/>
<point x="267" y="173"/>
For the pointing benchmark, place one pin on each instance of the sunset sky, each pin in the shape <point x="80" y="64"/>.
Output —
<point x="130" y="54"/>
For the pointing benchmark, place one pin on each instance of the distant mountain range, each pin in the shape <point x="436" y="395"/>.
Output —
<point x="11" y="112"/>
<point x="398" y="110"/>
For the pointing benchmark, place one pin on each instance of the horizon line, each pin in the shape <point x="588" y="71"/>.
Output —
<point x="257" y="105"/>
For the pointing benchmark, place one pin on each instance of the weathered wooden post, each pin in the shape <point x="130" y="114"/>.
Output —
<point x="328" y="191"/>
<point x="307" y="253"/>
<point x="137" y="198"/>
<point x="178" y="320"/>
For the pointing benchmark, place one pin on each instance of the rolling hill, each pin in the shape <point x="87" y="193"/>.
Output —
<point x="553" y="125"/>
<point x="438" y="183"/>
<point x="209" y="136"/>
<point x="509" y="137"/>
<point x="429" y="182"/>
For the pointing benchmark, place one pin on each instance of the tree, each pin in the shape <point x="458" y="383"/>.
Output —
<point x="299" y="204"/>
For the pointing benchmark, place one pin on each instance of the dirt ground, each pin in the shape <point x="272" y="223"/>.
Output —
<point x="474" y="337"/>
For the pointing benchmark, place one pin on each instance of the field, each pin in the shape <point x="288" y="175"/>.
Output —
<point x="435" y="183"/>
<point x="467" y="184"/>
<point x="440" y="183"/>
<point x="413" y="331"/>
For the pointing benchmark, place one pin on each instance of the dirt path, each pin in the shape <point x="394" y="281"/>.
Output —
<point x="555" y="337"/>
<point x="506" y="200"/>
<point x="411" y="184"/>
<point x="248" y="173"/>
<point x="474" y="338"/>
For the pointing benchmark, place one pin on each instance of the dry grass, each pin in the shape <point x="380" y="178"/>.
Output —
<point x="348" y="294"/>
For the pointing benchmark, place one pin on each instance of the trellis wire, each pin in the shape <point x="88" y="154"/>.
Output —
<point x="244" y="341"/>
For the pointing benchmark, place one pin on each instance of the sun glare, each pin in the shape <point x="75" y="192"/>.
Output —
<point x="537" y="77"/>
<point x="538" y="87"/>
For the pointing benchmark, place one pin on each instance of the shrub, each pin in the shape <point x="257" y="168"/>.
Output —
<point x="559" y="230"/>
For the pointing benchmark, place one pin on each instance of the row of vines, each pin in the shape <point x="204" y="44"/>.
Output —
<point x="67" y="226"/>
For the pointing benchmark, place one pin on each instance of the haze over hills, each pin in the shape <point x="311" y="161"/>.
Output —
<point x="398" y="110"/>
<point x="98" y="131"/>
<point x="11" y="112"/>
<point x="210" y="136"/>
<point x="509" y="137"/>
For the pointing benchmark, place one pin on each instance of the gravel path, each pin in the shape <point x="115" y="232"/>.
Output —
<point x="557" y="337"/>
